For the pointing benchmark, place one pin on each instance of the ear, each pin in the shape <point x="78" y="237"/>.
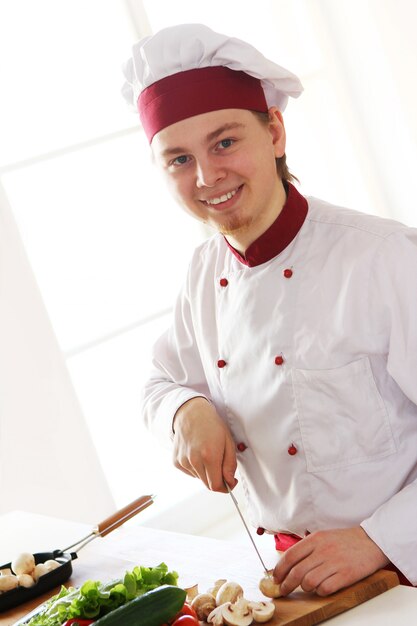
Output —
<point x="277" y="130"/>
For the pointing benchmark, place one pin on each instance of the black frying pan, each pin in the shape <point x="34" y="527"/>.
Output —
<point x="59" y="575"/>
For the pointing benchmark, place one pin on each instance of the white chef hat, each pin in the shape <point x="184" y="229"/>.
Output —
<point x="189" y="69"/>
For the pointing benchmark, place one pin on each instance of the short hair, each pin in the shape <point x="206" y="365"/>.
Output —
<point x="281" y="162"/>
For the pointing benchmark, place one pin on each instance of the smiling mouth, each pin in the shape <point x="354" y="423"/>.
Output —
<point x="223" y="198"/>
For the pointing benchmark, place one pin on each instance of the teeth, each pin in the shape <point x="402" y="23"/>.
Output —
<point x="222" y="198"/>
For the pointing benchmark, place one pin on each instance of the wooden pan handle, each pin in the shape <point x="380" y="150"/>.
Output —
<point x="120" y="517"/>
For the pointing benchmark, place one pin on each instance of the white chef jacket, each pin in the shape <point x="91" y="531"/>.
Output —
<point x="307" y="347"/>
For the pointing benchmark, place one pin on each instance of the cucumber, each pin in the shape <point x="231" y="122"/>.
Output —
<point x="153" y="608"/>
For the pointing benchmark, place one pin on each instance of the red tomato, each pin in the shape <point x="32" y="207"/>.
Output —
<point x="78" y="622"/>
<point x="187" y="609"/>
<point x="186" y="620"/>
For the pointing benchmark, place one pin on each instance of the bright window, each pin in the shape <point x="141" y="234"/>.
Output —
<point x="108" y="247"/>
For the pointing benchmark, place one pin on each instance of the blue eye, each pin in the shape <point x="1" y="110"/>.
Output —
<point x="226" y="143"/>
<point x="181" y="160"/>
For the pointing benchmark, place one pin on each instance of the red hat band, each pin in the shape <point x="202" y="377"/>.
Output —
<point x="189" y="93"/>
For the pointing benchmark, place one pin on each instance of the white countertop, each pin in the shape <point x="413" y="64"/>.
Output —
<point x="395" y="607"/>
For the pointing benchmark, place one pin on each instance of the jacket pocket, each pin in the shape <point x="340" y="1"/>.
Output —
<point x="343" y="419"/>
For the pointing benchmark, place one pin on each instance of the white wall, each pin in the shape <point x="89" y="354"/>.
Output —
<point x="48" y="463"/>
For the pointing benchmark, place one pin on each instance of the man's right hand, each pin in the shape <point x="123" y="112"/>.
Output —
<point x="203" y="445"/>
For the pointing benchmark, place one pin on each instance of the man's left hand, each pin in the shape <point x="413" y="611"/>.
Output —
<point x="329" y="560"/>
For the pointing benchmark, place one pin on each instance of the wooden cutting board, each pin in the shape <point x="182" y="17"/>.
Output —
<point x="305" y="609"/>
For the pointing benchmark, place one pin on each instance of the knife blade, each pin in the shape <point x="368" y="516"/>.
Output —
<point x="235" y="502"/>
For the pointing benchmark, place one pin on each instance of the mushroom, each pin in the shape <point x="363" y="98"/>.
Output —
<point x="51" y="564"/>
<point x="262" y="611"/>
<point x="191" y="592"/>
<point x="213" y="590"/>
<point x="238" y="614"/>
<point x="39" y="571"/>
<point x="228" y="592"/>
<point x="216" y="616"/>
<point x="8" y="582"/>
<point x="203" y="604"/>
<point x="269" y="587"/>
<point x="25" y="580"/>
<point x="24" y="563"/>
<point x="6" y="571"/>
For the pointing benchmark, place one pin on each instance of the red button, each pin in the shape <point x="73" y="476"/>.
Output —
<point x="221" y="363"/>
<point x="260" y="530"/>
<point x="224" y="282"/>
<point x="241" y="446"/>
<point x="292" y="450"/>
<point x="287" y="273"/>
<point x="279" y="360"/>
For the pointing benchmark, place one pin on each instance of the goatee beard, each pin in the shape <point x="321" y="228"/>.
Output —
<point x="235" y="225"/>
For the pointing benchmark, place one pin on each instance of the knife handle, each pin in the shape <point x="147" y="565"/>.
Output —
<point x="120" y="517"/>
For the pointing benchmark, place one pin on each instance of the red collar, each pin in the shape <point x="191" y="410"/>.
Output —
<point x="280" y="234"/>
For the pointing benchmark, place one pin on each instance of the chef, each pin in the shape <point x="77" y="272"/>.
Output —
<point x="292" y="354"/>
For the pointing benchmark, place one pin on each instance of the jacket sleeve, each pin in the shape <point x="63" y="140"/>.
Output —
<point x="177" y="374"/>
<point x="393" y="296"/>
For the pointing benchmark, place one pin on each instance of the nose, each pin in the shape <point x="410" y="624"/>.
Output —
<point x="208" y="173"/>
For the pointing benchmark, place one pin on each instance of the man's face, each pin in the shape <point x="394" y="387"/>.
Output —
<point x="220" y="166"/>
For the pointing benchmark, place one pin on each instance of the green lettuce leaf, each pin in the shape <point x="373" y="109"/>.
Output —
<point x="94" y="599"/>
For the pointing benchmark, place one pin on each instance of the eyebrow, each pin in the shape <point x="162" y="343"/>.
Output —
<point x="222" y="129"/>
<point x="213" y="135"/>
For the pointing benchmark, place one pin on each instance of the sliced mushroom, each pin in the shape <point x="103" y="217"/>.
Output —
<point x="191" y="592"/>
<point x="213" y="590"/>
<point x="262" y="611"/>
<point x="8" y="582"/>
<point x="229" y="592"/>
<point x="269" y="587"/>
<point x="237" y="614"/>
<point x="216" y="616"/>
<point x="203" y="605"/>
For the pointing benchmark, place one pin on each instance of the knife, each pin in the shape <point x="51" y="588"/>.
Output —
<point x="235" y="502"/>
